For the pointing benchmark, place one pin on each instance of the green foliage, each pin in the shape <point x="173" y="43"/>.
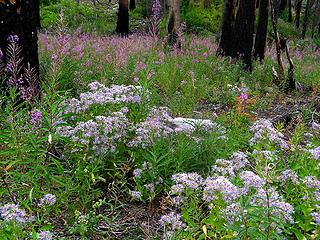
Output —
<point x="200" y="20"/>
<point x="74" y="16"/>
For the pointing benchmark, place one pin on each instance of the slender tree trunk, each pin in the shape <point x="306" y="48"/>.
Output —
<point x="289" y="11"/>
<point x="243" y="33"/>
<point x="262" y="30"/>
<point x="282" y="6"/>
<point x="174" y="24"/>
<point x="316" y="20"/>
<point x="21" y="18"/>
<point x="123" y="18"/>
<point x="132" y="4"/>
<point x="305" y="20"/>
<point x="298" y="12"/>
<point x="280" y="74"/>
<point x="227" y="29"/>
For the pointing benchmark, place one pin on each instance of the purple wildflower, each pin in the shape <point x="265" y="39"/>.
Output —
<point x="289" y="175"/>
<point x="172" y="221"/>
<point x="191" y="180"/>
<point x="135" y="194"/>
<point x="36" y="117"/>
<point x="312" y="182"/>
<point x="12" y="212"/>
<point x="250" y="179"/>
<point x="48" y="199"/>
<point x="177" y="188"/>
<point x="137" y="173"/>
<point x="45" y="235"/>
<point x="316" y="217"/>
<point x="243" y="97"/>
<point x="220" y="186"/>
<point x="13" y="39"/>
<point x="315" y="153"/>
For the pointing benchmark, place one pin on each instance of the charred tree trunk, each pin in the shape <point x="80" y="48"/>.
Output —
<point x="243" y="32"/>
<point x="227" y="29"/>
<point x="305" y="20"/>
<point x="282" y="6"/>
<point x="316" y="21"/>
<point x="289" y="11"/>
<point x="21" y="18"/>
<point x="262" y="30"/>
<point x="174" y="24"/>
<point x="132" y="4"/>
<point x="298" y="12"/>
<point x="123" y="18"/>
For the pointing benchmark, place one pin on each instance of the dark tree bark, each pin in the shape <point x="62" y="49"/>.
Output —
<point x="243" y="33"/>
<point x="280" y="74"/>
<point x="262" y="30"/>
<point x="316" y="21"/>
<point x="123" y="18"/>
<point x="289" y="11"/>
<point x="305" y="20"/>
<point x="174" y="24"/>
<point x="21" y="18"/>
<point x="132" y="4"/>
<point x="298" y="12"/>
<point x="227" y="29"/>
<point x="282" y="6"/>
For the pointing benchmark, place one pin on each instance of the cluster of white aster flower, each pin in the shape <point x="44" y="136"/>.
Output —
<point x="99" y="94"/>
<point x="104" y="132"/>
<point x="13" y="213"/>
<point x="263" y="129"/>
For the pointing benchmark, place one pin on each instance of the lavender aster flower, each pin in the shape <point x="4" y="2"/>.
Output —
<point x="48" y="199"/>
<point x="13" y="39"/>
<point x="220" y="186"/>
<point x="312" y="182"/>
<point x="137" y="173"/>
<point x="250" y="179"/>
<point x="316" y="217"/>
<point x="12" y="212"/>
<point x="315" y="153"/>
<point x="135" y="194"/>
<point x="172" y="221"/>
<point x="191" y="180"/>
<point x="177" y="188"/>
<point x="289" y="175"/>
<point x="45" y="235"/>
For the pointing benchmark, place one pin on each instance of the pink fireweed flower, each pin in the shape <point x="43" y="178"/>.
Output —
<point x="243" y="97"/>
<point x="36" y="118"/>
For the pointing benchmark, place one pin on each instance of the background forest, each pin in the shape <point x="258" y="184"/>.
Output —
<point x="160" y="119"/>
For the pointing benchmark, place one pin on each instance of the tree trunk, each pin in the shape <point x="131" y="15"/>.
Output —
<point x="132" y="4"/>
<point x="282" y="6"/>
<point x="227" y="29"/>
<point x="280" y="74"/>
<point x="289" y="11"/>
<point x="174" y="24"/>
<point x="298" y="12"/>
<point x="22" y="18"/>
<point x="243" y="32"/>
<point x="316" y="20"/>
<point x="123" y="18"/>
<point x="262" y="30"/>
<point x="305" y="20"/>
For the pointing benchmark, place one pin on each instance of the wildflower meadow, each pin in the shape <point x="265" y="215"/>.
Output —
<point x="157" y="133"/>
